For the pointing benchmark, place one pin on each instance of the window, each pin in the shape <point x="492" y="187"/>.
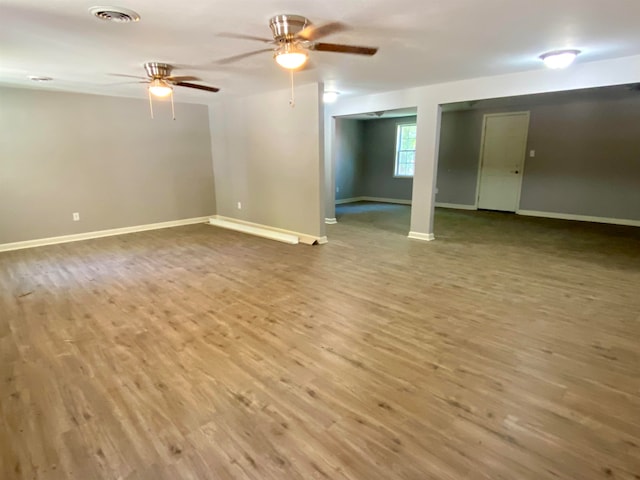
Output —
<point x="405" y="150"/>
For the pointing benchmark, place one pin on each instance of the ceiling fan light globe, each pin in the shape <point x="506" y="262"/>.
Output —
<point x="158" y="88"/>
<point x="291" y="60"/>
<point x="160" y="91"/>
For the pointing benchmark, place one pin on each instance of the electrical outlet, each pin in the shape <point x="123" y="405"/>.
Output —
<point x="76" y="217"/>
<point x="239" y="205"/>
<point x="337" y="189"/>
<point x="532" y="153"/>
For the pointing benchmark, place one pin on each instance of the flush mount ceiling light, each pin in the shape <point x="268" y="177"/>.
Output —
<point x="159" y="88"/>
<point x="330" y="96"/>
<point x="115" y="14"/>
<point x="559" y="58"/>
<point x="290" y="56"/>
<point x="37" y="78"/>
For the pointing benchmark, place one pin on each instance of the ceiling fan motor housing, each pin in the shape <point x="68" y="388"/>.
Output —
<point x="158" y="70"/>
<point x="285" y="27"/>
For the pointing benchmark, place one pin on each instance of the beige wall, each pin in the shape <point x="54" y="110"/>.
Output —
<point x="103" y="157"/>
<point x="267" y="156"/>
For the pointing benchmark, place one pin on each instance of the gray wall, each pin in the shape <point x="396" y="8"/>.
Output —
<point x="379" y="138"/>
<point x="365" y="157"/>
<point x="102" y="157"/>
<point x="458" y="157"/>
<point x="267" y="156"/>
<point x="349" y="158"/>
<point x="587" y="157"/>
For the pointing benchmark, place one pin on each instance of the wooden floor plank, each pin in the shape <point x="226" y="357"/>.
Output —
<point x="507" y="348"/>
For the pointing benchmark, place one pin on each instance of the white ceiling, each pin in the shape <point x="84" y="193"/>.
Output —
<point x="383" y="114"/>
<point x="627" y="92"/>
<point x="421" y="42"/>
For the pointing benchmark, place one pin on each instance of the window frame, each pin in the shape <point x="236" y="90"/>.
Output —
<point x="397" y="151"/>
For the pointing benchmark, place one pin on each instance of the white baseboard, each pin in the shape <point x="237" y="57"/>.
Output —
<point x="266" y="231"/>
<point x="580" y="218"/>
<point x="400" y="201"/>
<point x="76" y="237"/>
<point x="348" y="200"/>
<point x="457" y="206"/>
<point x="425" y="237"/>
<point x="330" y="221"/>
<point x="374" y="199"/>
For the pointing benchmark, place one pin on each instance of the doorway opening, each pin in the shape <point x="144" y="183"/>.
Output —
<point x="374" y="166"/>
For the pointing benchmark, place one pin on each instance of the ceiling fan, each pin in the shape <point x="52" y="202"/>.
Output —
<point x="293" y="36"/>
<point x="160" y="82"/>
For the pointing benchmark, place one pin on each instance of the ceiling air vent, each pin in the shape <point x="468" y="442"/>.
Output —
<point x="115" y="14"/>
<point x="37" y="78"/>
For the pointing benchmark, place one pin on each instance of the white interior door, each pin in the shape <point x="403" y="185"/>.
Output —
<point x="504" y="145"/>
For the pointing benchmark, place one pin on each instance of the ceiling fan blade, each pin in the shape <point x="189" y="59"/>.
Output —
<point x="312" y="32"/>
<point x="235" y="58"/>
<point x="245" y="37"/>
<point x="128" y="76"/>
<point x="199" y="87"/>
<point x="183" y="78"/>
<point x="337" y="48"/>
<point x="124" y="83"/>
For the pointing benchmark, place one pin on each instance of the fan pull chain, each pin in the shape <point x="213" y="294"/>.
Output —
<point x="150" y="104"/>
<point x="292" y="100"/>
<point x="173" y="110"/>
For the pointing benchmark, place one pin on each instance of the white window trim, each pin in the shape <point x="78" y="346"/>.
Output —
<point x="395" y="150"/>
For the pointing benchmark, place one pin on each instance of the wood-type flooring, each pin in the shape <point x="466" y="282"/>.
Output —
<point x="508" y="348"/>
